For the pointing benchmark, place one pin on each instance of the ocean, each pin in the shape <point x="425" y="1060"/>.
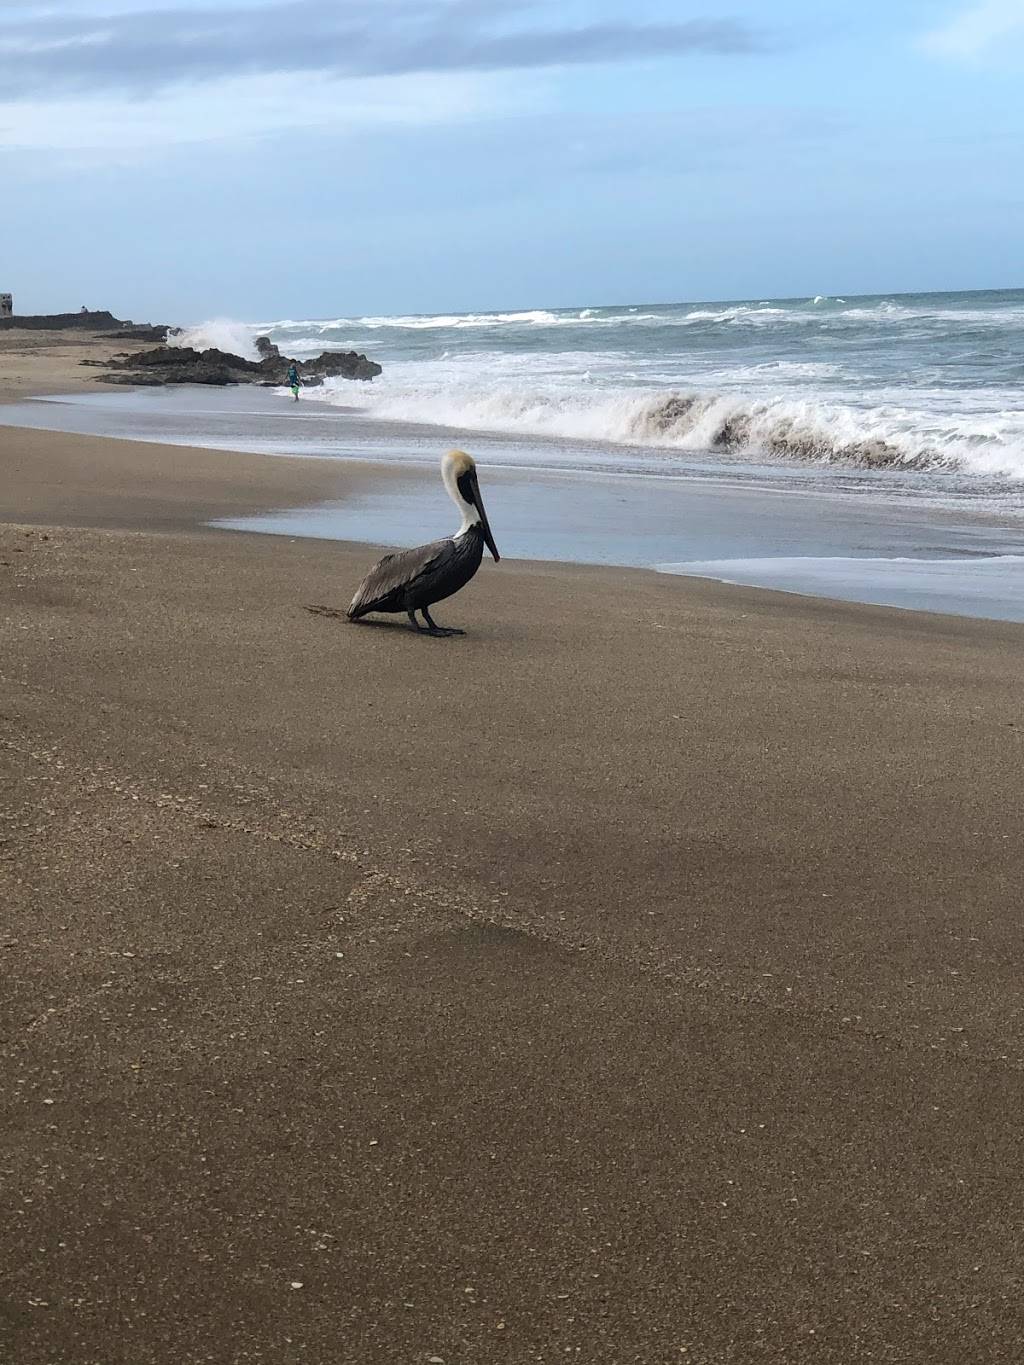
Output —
<point x="861" y="447"/>
<point x="921" y="382"/>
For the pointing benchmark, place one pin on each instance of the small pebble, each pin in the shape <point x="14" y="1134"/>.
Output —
<point x="296" y="1284"/>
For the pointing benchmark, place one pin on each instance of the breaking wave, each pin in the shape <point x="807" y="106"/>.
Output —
<point x="736" y="425"/>
<point x="823" y="313"/>
<point x="236" y="337"/>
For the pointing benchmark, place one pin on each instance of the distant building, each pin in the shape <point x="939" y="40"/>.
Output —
<point x="6" y="305"/>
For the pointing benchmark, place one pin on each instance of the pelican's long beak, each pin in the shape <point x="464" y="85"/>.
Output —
<point x="485" y="525"/>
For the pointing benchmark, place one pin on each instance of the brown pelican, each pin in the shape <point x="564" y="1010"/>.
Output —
<point x="413" y="580"/>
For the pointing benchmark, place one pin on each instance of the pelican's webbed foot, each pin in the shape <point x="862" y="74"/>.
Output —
<point x="432" y="628"/>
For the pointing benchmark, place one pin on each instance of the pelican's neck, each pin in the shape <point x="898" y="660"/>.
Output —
<point x="470" y="518"/>
<point x="470" y="515"/>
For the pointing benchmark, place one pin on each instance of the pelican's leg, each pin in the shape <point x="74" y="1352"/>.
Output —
<point x="435" y="629"/>
<point x="414" y="623"/>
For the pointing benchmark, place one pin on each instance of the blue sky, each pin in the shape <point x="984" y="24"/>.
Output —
<point x="266" y="158"/>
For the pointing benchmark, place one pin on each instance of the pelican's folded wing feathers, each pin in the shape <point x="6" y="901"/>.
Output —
<point x="389" y="581"/>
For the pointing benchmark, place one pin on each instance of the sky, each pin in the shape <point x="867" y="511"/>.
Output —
<point x="264" y="159"/>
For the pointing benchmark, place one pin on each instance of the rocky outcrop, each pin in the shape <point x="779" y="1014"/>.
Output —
<point x="101" y="321"/>
<point x="335" y="364"/>
<point x="185" y="365"/>
<point x="142" y="332"/>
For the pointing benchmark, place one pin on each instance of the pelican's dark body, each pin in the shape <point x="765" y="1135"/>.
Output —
<point x="412" y="580"/>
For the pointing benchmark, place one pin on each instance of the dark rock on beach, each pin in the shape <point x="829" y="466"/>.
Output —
<point x="185" y="365"/>
<point x="343" y="364"/>
<point x="142" y="332"/>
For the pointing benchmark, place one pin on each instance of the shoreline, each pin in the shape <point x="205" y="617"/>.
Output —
<point x="640" y="972"/>
<point x="362" y="482"/>
<point x="114" y="482"/>
<point x="135" y="485"/>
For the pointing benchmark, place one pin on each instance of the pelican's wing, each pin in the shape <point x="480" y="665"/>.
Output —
<point x="385" y="586"/>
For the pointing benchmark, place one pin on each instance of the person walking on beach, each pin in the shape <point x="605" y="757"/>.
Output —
<point x="294" y="382"/>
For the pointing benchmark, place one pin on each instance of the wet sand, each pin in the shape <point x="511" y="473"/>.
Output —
<point x="636" y="979"/>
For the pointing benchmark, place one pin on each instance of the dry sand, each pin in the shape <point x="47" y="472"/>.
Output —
<point x="636" y="979"/>
<point x="51" y="362"/>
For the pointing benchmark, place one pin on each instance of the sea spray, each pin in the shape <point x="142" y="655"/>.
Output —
<point x="237" y="338"/>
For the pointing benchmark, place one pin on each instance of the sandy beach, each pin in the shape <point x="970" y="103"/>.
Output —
<point x="41" y="362"/>
<point x="635" y="979"/>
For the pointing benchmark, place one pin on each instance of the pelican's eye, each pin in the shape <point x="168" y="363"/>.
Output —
<point x="465" y="485"/>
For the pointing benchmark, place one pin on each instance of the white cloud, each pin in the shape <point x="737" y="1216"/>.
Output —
<point x="979" y="31"/>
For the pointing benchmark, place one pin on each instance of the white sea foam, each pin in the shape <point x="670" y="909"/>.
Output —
<point x="822" y="311"/>
<point x="537" y="317"/>
<point x="736" y="424"/>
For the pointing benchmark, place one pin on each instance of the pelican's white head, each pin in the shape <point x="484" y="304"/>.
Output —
<point x="460" y="478"/>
